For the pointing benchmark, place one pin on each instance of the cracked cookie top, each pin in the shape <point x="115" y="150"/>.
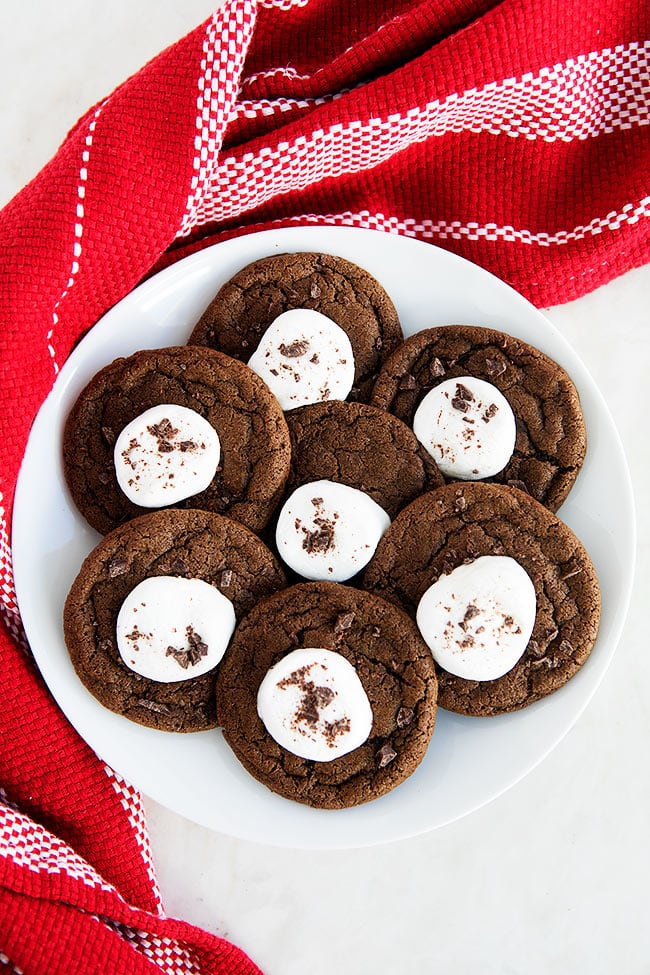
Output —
<point x="363" y="447"/>
<point x="174" y="547"/>
<point x="392" y="662"/>
<point x="250" y="461"/>
<point x="248" y="305"/>
<point x="548" y="432"/>
<point x="457" y="525"/>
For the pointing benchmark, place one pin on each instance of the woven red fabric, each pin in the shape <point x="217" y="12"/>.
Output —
<point x="513" y="132"/>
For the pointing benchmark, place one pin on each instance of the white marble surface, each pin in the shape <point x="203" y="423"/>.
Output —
<point x="552" y="876"/>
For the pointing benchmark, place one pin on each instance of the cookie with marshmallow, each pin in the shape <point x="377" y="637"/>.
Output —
<point x="315" y="327"/>
<point x="487" y="406"/>
<point x="327" y="695"/>
<point x="353" y="468"/>
<point x="175" y="428"/>
<point x="154" y="607"/>
<point x="502" y="591"/>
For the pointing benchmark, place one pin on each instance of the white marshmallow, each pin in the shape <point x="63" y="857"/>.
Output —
<point x="166" y="454"/>
<point x="477" y="620"/>
<point x="313" y="704"/>
<point x="329" y="531"/>
<point x="304" y="357"/>
<point x="172" y="629"/>
<point x="468" y="427"/>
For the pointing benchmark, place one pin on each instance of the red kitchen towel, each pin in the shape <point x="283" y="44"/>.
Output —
<point x="513" y="132"/>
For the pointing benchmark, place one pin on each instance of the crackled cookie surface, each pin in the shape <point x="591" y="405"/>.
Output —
<point x="548" y="432"/>
<point x="353" y="467"/>
<point x="362" y="446"/>
<point x="348" y="296"/>
<point x="458" y="525"/>
<point x="121" y="460"/>
<point x="184" y="550"/>
<point x="392" y="663"/>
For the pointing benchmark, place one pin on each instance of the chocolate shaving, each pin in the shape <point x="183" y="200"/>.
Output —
<point x="459" y="404"/>
<point x="135" y="634"/>
<point x="144" y="702"/>
<point x="117" y="567"/>
<point x="133" y="443"/>
<point x="195" y="651"/>
<point x="314" y="699"/>
<point x="163" y="432"/>
<point x="462" y="398"/>
<point x="551" y="663"/>
<point x="460" y="502"/>
<point x="495" y="367"/>
<point x="570" y="573"/>
<point x="186" y="445"/>
<point x="566" y="647"/>
<point x="516" y="483"/>
<point x="464" y="393"/>
<point x="343" y="622"/>
<point x="335" y="728"/>
<point x="321" y="539"/>
<point x="490" y="412"/>
<point x="404" y="717"/>
<point x="295" y="349"/>
<point x="535" y="650"/>
<point x="314" y="358"/>
<point x="385" y="755"/>
<point x="407" y="382"/>
<point x="314" y="291"/>
<point x="436" y="368"/>
<point x="226" y="578"/>
<point x="178" y="567"/>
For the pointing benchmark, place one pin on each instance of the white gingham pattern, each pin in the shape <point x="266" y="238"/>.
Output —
<point x="278" y="106"/>
<point x="282" y="4"/>
<point x="29" y="845"/>
<point x="630" y="213"/>
<point x="171" y="957"/>
<point x="7" y="590"/>
<point x="133" y="806"/>
<point x="584" y="97"/>
<point x="9" y="965"/>
<point x="224" y="47"/>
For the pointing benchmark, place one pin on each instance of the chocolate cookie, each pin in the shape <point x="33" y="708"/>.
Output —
<point x="396" y="672"/>
<point x="550" y="432"/>
<point x="346" y="459"/>
<point x="178" y="545"/>
<point x="249" y="303"/>
<point x="455" y="526"/>
<point x="359" y="445"/>
<point x="221" y="393"/>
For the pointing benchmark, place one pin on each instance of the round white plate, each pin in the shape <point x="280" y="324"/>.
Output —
<point x="470" y="760"/>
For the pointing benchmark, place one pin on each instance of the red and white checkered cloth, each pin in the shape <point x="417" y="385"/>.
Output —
<point x="513" y="132"/>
